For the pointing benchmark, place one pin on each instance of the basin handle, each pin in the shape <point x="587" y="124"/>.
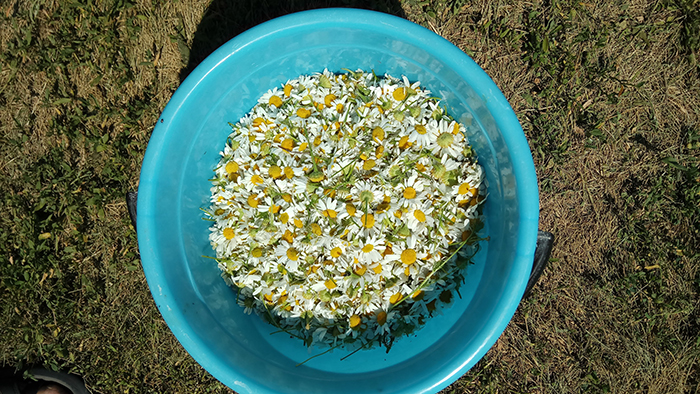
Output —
<point x="545" y="241"/>
<point x="131" y="198"/>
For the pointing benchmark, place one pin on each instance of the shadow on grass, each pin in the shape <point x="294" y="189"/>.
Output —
<point x="225" y="19"/>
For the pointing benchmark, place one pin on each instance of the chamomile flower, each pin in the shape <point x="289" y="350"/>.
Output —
<point x="449" y="163"/>
<point x="411" y="190"/>
<point x="446" y="143"/>
<point x="366" y="194"/>
<point x="224" y="240"/>
<point x="253" y="179"/>
<point x="371" y="249"/>
<point x="336" y="250"/>
<point x="419" y="217"/>
<point x="288" y="255"/>
<point x="329" y="209"/>
<point x="421" y="136"/>
<point x="267" y="205"/>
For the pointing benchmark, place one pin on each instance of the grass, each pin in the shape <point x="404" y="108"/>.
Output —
<point x="608" y="94"/>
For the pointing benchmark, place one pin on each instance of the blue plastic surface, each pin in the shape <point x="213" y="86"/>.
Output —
<point x="197" y="305"/>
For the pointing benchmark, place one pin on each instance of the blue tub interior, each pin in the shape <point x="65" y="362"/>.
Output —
<point x="197" y="305"/>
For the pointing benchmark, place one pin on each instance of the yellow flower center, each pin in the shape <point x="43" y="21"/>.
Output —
<point x="303" y="146"/>
<point x="275" y="172"/>
<point x="367" y="220"/>
<point x="292" y="254"/>
<point x="399" y="94"/>
<point x="408" y="256"/>
<point x="298" y="223"/>
<point x="256" y="179"/>
<point x="276" y="101"/>
<point x="403" y="142"/>
<point x="351" y="209"/>
<point x="383" y="207"/>
<point x="231" y="167"/>
<point x="329" y="213"/>
<point x="229" y="233"/>
<point x="381" y="318"/>
<point x="420" y="129"/>
<point x="330" y="285"/>
<point x="378" y="134"/>
<point x="387" y="250"/>
<point x="379" y="152"/>
<point x="368" y="248"/>
<point x="419" y="215"/>
<point x="258" y="121"/>
<point x="329" y="192"/>
<point x="377" y="269"/>
<point x="329" y="99"/>
<point x="289" y="173"/>
<point x="287" y="90"/>
<point x="316" y="229"/>
<point x="360" y="270"/>
<point x="336" y="252"/>
<point x="219" y="212"/>
<point x="409" y="193"/>
<point x="368" y="165"/>
<point x="464" y="188"/>
<point x="418" y="295"/>
<point x="303" y="113"/>
<point x="355" y="321"/>
<point x="256" y="252"/>
<point x="395" y="298"/>
<point x="253" y="200"/>
<point x="284" y="218"/>
<point x="274" y="208"/>
<point x="339" y="107"/>
<point x="420" y="167"/>
<point x="288" y="236"/>
<point x="287" y="144"/>
<point x="317" y="141"/>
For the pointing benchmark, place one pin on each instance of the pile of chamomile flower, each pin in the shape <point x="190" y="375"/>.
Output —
<point x="345" y="208"/>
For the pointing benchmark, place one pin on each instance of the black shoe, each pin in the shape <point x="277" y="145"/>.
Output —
<point x="13" y="382"/>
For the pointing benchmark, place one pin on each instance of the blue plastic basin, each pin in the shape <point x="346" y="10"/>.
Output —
<point x="201" y="310"/>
